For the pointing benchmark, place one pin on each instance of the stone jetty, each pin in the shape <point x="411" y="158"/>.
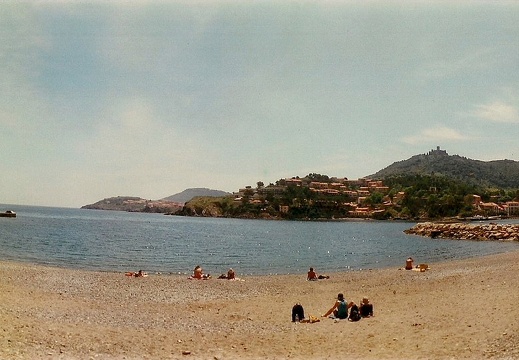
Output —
<point x="462" y="231"/>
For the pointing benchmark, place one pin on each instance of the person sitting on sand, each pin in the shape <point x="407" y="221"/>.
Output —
<point x="340" y="308"/>
<point x="366" y="309"/>
<point x="409" y="263"/>
<point x="312" y="276"/>
<point x="231" y="275"/>
<point x="198" y="274"/>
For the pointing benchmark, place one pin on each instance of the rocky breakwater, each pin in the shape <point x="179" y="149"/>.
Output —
<point x="492" y="231"/>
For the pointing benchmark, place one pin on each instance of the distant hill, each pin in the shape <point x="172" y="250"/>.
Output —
<point x="496" y="173"/>
<point x="189" y="194"/>
<point x="135" y="204"/>
<point x="170" y="204"/>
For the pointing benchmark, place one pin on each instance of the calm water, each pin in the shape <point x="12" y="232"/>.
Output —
<point x="120" y="241"/>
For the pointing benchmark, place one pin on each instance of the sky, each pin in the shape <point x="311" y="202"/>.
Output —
<point x="149" y="98"/>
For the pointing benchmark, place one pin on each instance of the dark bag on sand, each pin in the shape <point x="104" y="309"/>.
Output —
<point x="298" y="313"/>
<point x="354" y="313"/>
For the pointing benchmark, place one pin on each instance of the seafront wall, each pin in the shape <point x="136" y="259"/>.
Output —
<point x="492" y="231"/>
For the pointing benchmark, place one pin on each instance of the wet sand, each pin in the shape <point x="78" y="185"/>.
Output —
<point x="456" y="310"/>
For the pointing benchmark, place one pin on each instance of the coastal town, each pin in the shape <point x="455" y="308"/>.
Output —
<point x="354" y="193"/>
<point x="360" y="198"/>
<point x="317" y="196"/>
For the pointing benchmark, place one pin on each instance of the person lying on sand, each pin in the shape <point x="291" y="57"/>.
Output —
<point x="421" y="267"/>
<point x="140" y="273"/>
<point x="340" y="308"/>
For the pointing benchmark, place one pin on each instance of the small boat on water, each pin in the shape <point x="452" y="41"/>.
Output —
<point x="483" y="218"/>
<point x="8" y="213"/>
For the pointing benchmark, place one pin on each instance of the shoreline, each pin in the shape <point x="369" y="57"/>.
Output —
<point x="463" y="309"/>
<point x="214" y="275"/>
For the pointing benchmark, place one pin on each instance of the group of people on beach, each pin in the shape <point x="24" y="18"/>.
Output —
<point x="409" y="265"/>
<point x="341" y="309"/>
<point x="198" y="274"/>
<point x="341" y="306"/>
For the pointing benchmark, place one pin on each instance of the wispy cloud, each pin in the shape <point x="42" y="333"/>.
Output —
<point x="439" y="133"/>
<point x="497" y="111"/>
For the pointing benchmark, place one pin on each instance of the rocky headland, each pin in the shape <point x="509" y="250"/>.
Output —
<point x="135" y="204"/>
<point x="462" y="231"/>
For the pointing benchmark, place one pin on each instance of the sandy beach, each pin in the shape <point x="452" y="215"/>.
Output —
<point x="456" y="310"/>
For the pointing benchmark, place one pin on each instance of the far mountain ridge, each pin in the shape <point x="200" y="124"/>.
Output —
<point x="135" y="204"/>
<point x="492" y="174"/>
<point x="188" y="194"/>
<point x="170" y="204"/>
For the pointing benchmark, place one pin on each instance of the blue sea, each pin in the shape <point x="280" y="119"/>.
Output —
<point x="120" y="241"/>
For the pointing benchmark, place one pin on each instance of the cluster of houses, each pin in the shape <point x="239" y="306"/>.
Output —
<point x="357" y="192"/>
<point x="492" y="208"/>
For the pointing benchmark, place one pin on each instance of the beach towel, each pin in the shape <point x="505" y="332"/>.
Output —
<point x="311" y="319"/>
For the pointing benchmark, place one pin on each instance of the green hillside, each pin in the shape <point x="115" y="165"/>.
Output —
<point x="503" y="174"/>
<point x="191" y="193"/>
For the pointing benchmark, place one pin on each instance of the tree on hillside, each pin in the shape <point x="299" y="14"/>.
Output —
<point x="375" y="198"/>
<point x="318" y="177"/>
<point x="281" y="182"/>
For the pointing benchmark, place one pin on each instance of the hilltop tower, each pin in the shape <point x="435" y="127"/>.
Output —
<point x="438" y="151"/>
